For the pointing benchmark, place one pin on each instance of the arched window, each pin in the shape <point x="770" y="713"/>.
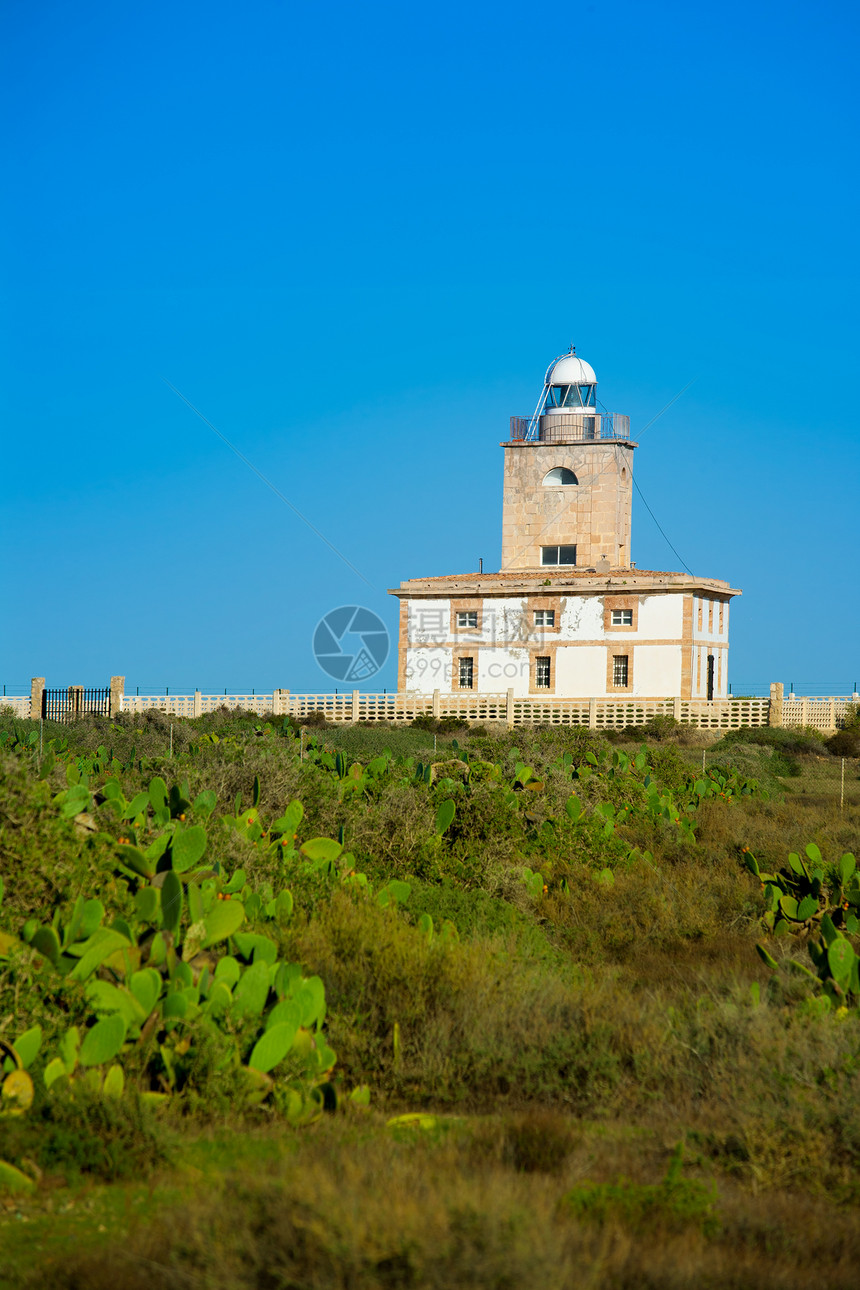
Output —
<point x="559" y="475"/>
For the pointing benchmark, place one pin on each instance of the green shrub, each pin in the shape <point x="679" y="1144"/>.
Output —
<point x="675" y="1203"/>
<point x="793" y="741"/>
<point x="76" y="1132"/>
<point x="845" y="743"/>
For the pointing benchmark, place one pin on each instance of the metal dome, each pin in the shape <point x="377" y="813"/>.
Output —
<point x="571" y="370"/>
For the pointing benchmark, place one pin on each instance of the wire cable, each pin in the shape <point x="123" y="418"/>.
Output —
<point x="602" y="471"/>
<point x="657" y="522"/>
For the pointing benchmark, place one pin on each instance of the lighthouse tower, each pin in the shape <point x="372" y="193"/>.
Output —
<point x="568" y="616"/>
<point x="568" y="478"/>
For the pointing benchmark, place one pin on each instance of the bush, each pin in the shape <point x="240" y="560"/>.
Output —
<point x="659" y="728"/>
<point x="425" y="721"/>
<point x="315" y="718"/>
<point x="845" y="743"/>
<point x="795" y="741"/>
<point x="79" y="1133"/>
<point x="671" y="1205"/>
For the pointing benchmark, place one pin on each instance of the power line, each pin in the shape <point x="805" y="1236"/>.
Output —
<point x="594" y="478"/>
<point x="657" y="522"/>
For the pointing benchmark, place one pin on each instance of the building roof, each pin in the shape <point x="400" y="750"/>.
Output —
<point x="571" y="370"/>
<point x="552" y="581"/>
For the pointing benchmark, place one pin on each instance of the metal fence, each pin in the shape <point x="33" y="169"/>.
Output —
<point x="571" y="427"/>
<point x="74" y="701"/>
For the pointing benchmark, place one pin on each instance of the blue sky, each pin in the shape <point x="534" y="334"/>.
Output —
<point x="353" y="237"/>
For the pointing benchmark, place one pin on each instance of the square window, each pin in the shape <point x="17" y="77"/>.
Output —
<point x="544" y="618"/>
<point x="620" y="670"/>
<point x="558" y="555"/>
<point x="467" y="672"/>
<point x="542" y="673"/>
<point x="622" y="618"/>
<point x="467" y="618"/>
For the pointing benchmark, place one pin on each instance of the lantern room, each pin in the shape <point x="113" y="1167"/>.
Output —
<point x="570" y="385"/>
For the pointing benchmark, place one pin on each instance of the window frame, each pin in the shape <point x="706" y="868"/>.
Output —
<point x="546" y="482"/>
<point x="464" y="660"/>
<point x="543" y="669"/>
<point x="623" y="604"/>
<point x="614" y="661"/>
<point x="466" y="605"/>
<point x="467" y="626"/>
<point x="545" y="650"/>
<point x="542" y="621"/>
<point x="558" y="563"/>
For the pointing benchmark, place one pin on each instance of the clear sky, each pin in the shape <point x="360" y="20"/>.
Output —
<point x="354" y="236"/>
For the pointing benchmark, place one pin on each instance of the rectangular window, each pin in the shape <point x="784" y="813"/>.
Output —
<point x="544" y="618"/>
<point x="467" y="618"/>
<point x="542" y="673"/>
<point x="622" y="618"/>
<point x="467" y="672"/>
<point x="620" y="669"/>
<point x="558" y="555"/>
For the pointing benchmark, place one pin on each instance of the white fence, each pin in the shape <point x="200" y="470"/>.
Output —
<point x="194" y="705"/>
<point x="20" y="706"/>
<point x="820" y="714"/>
<point x="615" y="714"/>
<point x="595" y="714"/>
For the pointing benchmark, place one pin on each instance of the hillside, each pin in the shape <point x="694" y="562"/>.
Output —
<point x="365" y="1007"/>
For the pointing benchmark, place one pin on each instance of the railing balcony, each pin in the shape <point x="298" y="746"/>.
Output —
<point x="572" y="427"/>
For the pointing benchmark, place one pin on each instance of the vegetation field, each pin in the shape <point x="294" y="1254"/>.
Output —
<point x="339" y="1009"/>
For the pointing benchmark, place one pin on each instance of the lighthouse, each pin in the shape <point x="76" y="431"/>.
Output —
<point x="568" y="614"/>
<point x="568" y="484"/>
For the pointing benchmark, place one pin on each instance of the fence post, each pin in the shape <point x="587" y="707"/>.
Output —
<point x="197" y="708"/>
<point x="509" y="708"/>
<point x="676" y="707"/>
<point x="276" y="703"/>
<point x="804" y="712"/>
<point x="354" y="706"/>
<point x="592" y="714"/>
<point x="774" y="712"/>
<point x="832" y="714"/>
<point x="37" y="689"/>
<point x="437" y="706"/>
<point x="117" y="690"/>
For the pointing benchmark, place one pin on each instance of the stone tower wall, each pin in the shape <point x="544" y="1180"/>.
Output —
<point x="593" y="515"/>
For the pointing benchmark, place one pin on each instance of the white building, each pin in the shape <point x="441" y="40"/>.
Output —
<point x="568" y="614"/>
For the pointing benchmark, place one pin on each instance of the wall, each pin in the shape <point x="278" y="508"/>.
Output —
<point x="581" y="645"/>
<point x="593" y="514"/>
<point x="710" y="635"/>
<point x="505" y="705"/>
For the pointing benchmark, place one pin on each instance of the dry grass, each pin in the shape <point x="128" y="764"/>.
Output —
<point x="360" y="1209"/>
<point x="580" y="1035"/>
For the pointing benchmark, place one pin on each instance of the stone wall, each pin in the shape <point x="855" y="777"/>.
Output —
<point x="593" y="515"/>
